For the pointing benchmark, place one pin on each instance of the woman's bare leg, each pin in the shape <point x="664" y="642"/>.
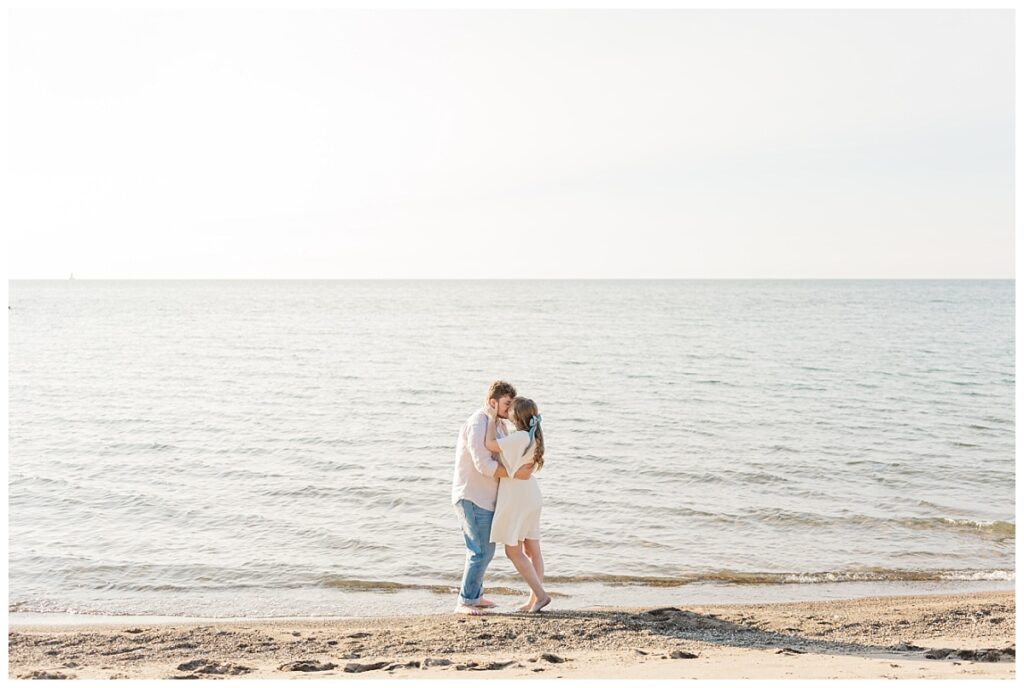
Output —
<point x="526" y="570"/>
<point x="532" y="550"/>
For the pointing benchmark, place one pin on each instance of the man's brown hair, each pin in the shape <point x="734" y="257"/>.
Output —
<point x="499" y="389"/>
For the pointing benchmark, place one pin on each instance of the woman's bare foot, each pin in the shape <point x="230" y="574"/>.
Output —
<point x="540" y="604"/>
<point x="484" y="604"/>
<point x="529" y="604"/>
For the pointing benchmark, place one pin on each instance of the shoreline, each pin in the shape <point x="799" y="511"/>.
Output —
<point x="397" y="602"/>
<point x="867" y="637"/>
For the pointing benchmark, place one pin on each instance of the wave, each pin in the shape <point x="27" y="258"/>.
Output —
<point x="141" y="446"/>
<point x="730" y="577"/>
<point x="724" y="476"/>
<point x="195" y="587"/>
<point x="354" y="584"/>
<point x="999" y="530"/>
<point x="727" y="577"/>
<point x="308" y="491"/>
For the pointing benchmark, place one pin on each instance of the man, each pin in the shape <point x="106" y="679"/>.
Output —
<point x="475" y="493"/>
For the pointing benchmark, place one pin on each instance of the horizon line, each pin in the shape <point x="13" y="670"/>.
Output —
<point x="492" y="279"/>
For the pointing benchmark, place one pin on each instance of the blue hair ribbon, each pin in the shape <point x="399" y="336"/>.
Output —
<point x="534" y="426"/>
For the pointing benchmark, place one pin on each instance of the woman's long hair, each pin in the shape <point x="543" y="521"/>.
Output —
<point x="522" y="411"/>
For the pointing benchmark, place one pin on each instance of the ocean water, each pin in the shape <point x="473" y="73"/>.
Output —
<point x="285" y="448"/>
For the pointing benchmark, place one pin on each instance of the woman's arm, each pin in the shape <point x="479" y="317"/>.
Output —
<point x="525" y="471"/>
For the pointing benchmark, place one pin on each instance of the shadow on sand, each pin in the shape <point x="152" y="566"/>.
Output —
<point x="672" y="623"/>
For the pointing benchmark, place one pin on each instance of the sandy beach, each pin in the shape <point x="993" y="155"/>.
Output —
<point x="928" y="636"/>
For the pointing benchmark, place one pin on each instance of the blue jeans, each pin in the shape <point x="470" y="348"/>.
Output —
<point x="476" y="529"/>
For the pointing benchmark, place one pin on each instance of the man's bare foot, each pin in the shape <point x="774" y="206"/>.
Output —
<point x="471" y="611"/>
<point x="484" y="604"/>
<point x="540" y="604"/>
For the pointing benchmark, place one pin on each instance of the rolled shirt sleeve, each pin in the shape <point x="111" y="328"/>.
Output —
<point x="482" y="459"/>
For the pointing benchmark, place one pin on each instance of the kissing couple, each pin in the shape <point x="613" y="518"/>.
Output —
<point x="496" y="495"/>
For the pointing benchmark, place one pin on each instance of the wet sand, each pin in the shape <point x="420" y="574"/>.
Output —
<point x="924" y="636"/>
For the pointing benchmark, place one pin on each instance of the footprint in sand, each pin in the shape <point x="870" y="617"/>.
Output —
<point x="46" y="675"/>
<point x="206" y="666"/>
<point x="307" y="665"/>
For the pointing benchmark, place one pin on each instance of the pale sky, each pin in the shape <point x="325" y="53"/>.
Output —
<point x="511" y="144"/>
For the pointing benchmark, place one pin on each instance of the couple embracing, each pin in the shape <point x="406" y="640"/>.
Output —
<point x="496" y="496"/>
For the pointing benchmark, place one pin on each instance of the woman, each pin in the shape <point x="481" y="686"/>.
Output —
<point x="516" y="521"/>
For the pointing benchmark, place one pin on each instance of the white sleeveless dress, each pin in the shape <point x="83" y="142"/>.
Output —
<point x="517" y="512"/>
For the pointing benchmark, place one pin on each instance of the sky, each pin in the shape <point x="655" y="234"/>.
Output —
<point x="349" y="144"/>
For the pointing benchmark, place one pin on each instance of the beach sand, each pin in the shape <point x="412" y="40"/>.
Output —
<point x="876" y="637"/>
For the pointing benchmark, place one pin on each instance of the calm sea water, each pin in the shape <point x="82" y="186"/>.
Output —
<point x="233" y="448"/>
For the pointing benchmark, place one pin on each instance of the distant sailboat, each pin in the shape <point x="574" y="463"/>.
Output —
<point x="72" y="276"/>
